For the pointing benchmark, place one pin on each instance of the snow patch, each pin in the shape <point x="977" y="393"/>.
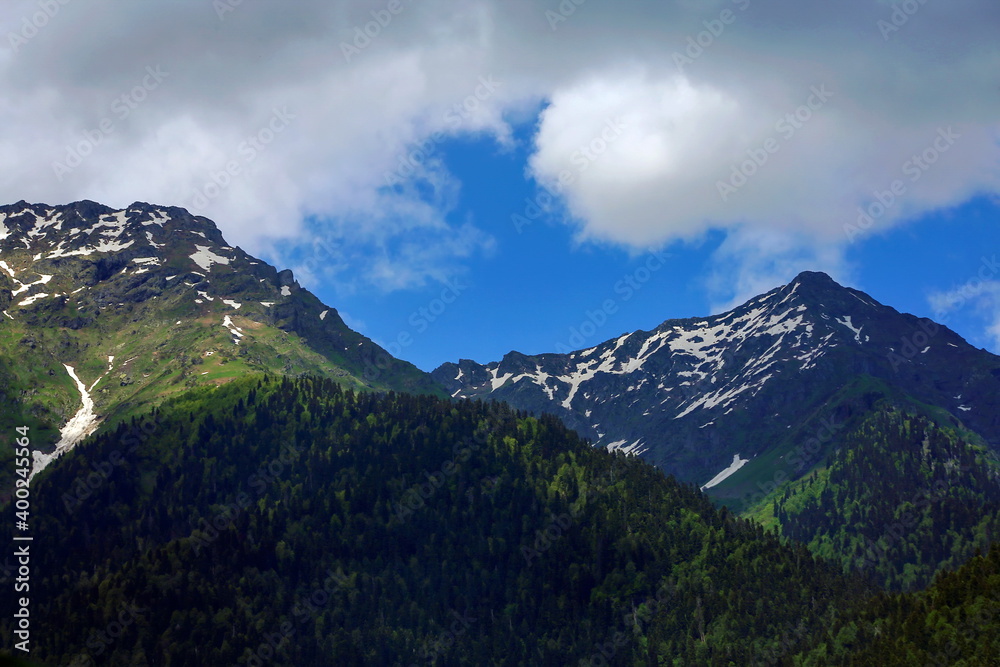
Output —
<point x="205" y="258"/>
<point x="633" y="449"/>
<point x="233" y="304"/>
<point x="846" y="321"/>
<point x="723" y="396"/>
<point x="25" y="287"/>
<point x="322" y="316"/>
<point x="159" y="218"/>
<point x="149" y="237"/>
<point x="867" y="303"/>
<point x="112" y="246"/>
<point x="233" y="329"/>
<point x="33" y="298"/>
<point x="727" y="472"/>
<point x="82" y="424"/>
<point x="498" y="382"/>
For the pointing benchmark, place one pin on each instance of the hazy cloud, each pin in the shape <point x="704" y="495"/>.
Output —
<point x="981" y="296"/>
<point x="819" y="108"/>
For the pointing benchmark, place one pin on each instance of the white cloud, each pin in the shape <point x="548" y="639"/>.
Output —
<point x="204" y="137"/>
<point x="627" y="146"/>
<point x="751" y="261"/>
<point x="972" y="292"/>
<point x="354" y="121"/>
<point x="980" y="296"/>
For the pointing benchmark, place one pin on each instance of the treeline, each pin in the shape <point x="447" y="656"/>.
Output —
<point x="295" y="522"/>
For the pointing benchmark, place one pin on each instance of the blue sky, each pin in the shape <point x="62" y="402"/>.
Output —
<point x="381" y="154"/>
<point x="539" y="285"/>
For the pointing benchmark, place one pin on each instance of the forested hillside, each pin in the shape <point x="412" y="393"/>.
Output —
<point x="954" y="622"/>
<point x="301" y="523"/>
<point x="901" y="499"/>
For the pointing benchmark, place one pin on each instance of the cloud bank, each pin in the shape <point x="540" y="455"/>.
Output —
<point x="795" y="130"/>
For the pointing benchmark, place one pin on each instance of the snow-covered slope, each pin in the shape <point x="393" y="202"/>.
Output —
<point x="82" y="424"/>
<point x="693" y="394"/>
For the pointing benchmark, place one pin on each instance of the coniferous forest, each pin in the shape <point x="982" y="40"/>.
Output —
<point x="500" y="333"/>
<point x="902" y="498"/>
<point x="296" y="522"/>
<point x="396" y="529"/>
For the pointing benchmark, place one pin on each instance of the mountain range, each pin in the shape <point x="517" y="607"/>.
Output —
<point x="764" y="389"/>
<point x="227" y="447"/>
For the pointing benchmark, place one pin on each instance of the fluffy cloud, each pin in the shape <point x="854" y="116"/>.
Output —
<point x="648" y="107"/>
<point x="795" y="135"/>
<point x="981" y="296"/>
<point x="256" y="119"/>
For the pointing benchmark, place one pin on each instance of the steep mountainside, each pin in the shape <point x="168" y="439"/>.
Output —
<point x="704" y="397"/>
<point x="105" y="311"/>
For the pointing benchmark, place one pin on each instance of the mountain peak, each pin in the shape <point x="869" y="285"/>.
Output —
<point x="815" y="278"/>
<point x="764" y="367"/>
<point x="149" y="300"/>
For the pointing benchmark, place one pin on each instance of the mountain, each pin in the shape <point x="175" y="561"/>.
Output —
<point x="247" y="499"/>
<point x="106" y="312"/>
<point x="743" y="401"/>
<point x="298" y="522"/>
<point x="902" y="498"/>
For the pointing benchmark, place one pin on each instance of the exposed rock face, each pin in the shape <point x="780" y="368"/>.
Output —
<point x="693" y="393"/>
